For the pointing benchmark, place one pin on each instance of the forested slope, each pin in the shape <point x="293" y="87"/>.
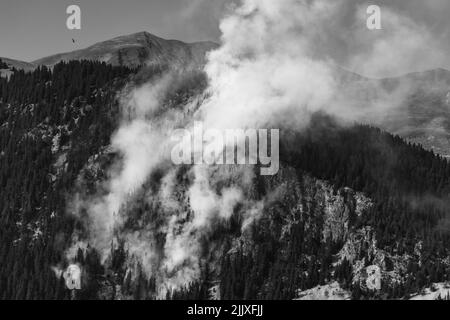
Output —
<point x="353" y="205"/>
<point x="51" y="122"/>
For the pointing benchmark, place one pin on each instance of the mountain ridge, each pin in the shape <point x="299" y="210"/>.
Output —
<point x="141" y="48"/>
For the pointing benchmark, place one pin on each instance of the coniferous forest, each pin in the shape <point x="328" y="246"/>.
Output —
<point x="74" y="102"/>
<point x="3" y="65"/>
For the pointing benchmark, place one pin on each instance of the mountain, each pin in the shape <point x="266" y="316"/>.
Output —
<point x="415" y="106"/>
<point x="6" y="66"/>
<point x="26" y="66"/>
<point x="138" y="49"/>
<point x="424" y="116"/>
<point x="354" y="212"/>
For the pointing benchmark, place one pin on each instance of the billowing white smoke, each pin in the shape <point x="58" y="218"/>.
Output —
<point x="277" y="63"/>
<point x="270" y="70"/>
<point x="265" y="68"/>
<point x="139" y="141"/>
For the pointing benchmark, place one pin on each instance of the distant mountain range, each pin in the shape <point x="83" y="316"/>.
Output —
<point x="427" y="111"/>
<point x="415" y="106"/>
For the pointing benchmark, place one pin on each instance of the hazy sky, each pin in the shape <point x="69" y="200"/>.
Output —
<point x="32" y="29"/>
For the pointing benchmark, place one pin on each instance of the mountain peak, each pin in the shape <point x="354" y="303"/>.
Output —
<point x="138" y="36"/>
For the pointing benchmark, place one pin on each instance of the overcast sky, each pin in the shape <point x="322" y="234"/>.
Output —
<point x="33" y="29"/>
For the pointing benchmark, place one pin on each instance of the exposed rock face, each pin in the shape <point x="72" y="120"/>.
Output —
<point x="371" y="265"/>
<point x="314" y="200"/>
<point x="324" y="213"/>
<point x="340" y="208"/>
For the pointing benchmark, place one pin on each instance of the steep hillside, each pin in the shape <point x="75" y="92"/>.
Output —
<point x="50" y="124"/>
